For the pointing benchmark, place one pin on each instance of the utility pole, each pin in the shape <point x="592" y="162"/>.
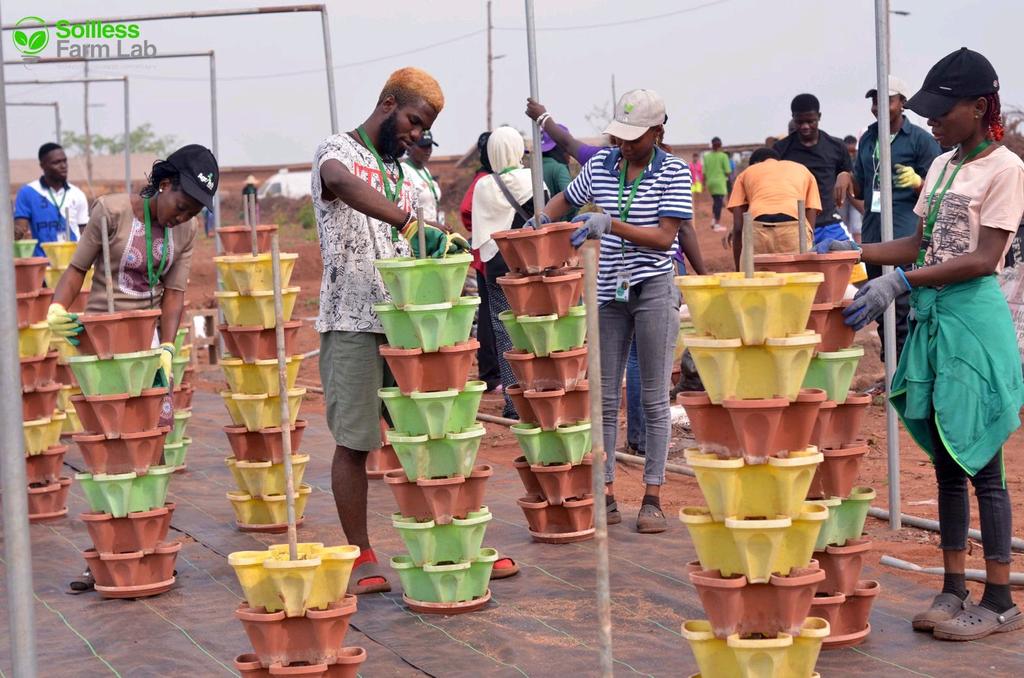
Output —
<point x="88" y="136"/>
<point x="490" y="66"/>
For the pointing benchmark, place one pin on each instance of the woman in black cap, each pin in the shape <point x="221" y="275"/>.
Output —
<point x="958" y="387"/>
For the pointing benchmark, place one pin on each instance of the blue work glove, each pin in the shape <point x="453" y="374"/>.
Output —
<point x="532" y="221"/>
<point x="830" y="245"/>
<point x="594" y="225"/>
<point x="874" y="297"/>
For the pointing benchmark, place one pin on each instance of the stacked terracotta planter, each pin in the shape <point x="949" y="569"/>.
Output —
<point x="296" y="612"/>
<point x="43" y="421"/>
<point x="547" y="326"/>
<point x="253" y="395"/>
<point x="177" y="443"/>
<point x="439" y="488"/>
<point x="754" y="464"/>
<point x="843" y="598"/>
<point x="122" y="447"/>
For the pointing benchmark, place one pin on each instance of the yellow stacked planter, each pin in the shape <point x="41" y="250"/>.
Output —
<point x="313" y="581"/>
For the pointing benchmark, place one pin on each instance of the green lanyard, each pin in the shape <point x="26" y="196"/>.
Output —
<point x="151" y="276"/>
<point x="624" y="210"/>
<point x="392" y="193"/>
<point x="933" y="204"/>
<point x="429" y="179"/>
<point x="53" y="199"/>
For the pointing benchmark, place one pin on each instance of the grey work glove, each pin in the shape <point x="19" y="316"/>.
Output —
<point x="874" y="297"/>
<point x="532" y="221"/>
<point x="826" y="246"/>
<point x="594" y="225"/>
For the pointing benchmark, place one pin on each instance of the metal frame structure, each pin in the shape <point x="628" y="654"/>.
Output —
<point x="56" y="112"/>
<point x="123" y="79"/>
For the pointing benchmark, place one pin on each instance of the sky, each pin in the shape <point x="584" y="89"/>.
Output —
<point x="724" y="67"/>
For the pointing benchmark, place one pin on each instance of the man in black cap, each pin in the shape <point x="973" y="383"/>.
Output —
<point x="419" y="177"/>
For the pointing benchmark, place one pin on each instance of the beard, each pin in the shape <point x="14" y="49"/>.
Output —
<point x="387" y="139"/>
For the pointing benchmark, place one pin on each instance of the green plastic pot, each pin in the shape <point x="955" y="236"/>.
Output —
<point x="420" y="413"/>
<point x="179" y="339"/>
<point x="174" y="453"/>
<point x="122" y="493"/>
<point x="177" y="433"/>
<point x="23" y="249"/>
<point x="845" y="518"/>
<point x="548" y="333"/>
<point x="480" y="572"/>
<point x="428" y="326"/>
<point x="567" y="444"/>
<point x="178" y="366"/>
<point x="415" y="582"/>
<point x="833" y="371"/>
<point x="125" y="373"/>
<point x="515" y="331"/>
<point x="466" y="405"/>
<point x="455" y="542"/>
<point x="424" y="281"/>
<point x="422" y="458"/>
<point x="397" y="326"/>
<point x="460" y="321"/>
<point x="449" y="582"/>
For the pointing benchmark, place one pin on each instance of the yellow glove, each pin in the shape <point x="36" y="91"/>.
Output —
<point x="906" y="177"/>
<point x="166" y="359"/>
<point x="63" y="324"/>
<point x="456" y="244"/>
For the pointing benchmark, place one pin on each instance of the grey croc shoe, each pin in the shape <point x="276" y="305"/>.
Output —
<point x="944" y="607"/>
<point x="650" y="520"/>
<point x="977" y="622"/>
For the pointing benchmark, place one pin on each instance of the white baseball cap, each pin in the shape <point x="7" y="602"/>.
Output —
<point x="896" y="86"/>
<point x="636" y="112"/>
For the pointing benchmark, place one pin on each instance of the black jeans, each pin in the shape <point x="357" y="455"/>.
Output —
<point x="717" y="201"/>
<point x="902" y="304"/>
<point x="486" y="355"/>
<point x="955" y="508"/>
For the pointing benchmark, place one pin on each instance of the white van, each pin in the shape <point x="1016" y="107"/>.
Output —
<point x="287" y="184"/>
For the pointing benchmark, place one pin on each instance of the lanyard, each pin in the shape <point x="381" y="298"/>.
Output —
<point x="429" y="179"/>
<point x="153" y="278"/>
<point x="53" y="198"/>
<point x="624" y="210"/>
<point x="933" y="204"/>
<point x="391" y="192"/>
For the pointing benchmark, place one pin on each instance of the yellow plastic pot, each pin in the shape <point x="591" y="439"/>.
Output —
<point x="763" y="657"/>
<point x="64" y="397"/>
<point x="248" y="567"/>
<point x="34" y="340"/>
<point x="261" y="411"/>
<point x="755" y="305"/>
<point x="72" y="424"/>
<point x="714" y="658"/>
<point x="716" y="362"/>
<point x="185" y="352"/>
<point x="63" y="348"/>
<point x="709" y="306"/>
<point x="260" y="376"/>
<point x="260" y="478"/>
<point x="292" y="582"/>
<point x="232" y="406"/>
<point x="799" y="543"/>
<point x="798" y="293"/>
<point x="806" y="646"/>
<point x="256" y="308"/>
<point x="731" y="370"/>
<point x="758" y="543"/>
<point x="331" y="580"/>
<point x="267" y="510"/>
<point x="41" y="434"/>
<point x="235" y="475"/>
<point x="245" y="274"/>
<point x="59" y="253"/>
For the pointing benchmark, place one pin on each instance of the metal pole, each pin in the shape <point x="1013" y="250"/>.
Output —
<point x="127" y="145"/>
<point x="56" y="112"/>
<point x="892" y="439"/>
<point x="801" y="223"/>
<point x="250" y="218"/>
<point x="106" y="264"/>
<point x="204" y="14"/>
<point x="535" y="155"/>
<point x="282" y="381"/>
<point x="747" y="251"/>
<point x="604" y="606"/>
<point x="329" y="63"/>
<point x="490" y="67"/>
<point x="215" y="147"/>
<point x="421" y="232"/>
<point x="21" y="623"/>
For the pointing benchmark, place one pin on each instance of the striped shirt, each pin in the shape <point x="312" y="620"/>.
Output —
<point x="663" y="192"/>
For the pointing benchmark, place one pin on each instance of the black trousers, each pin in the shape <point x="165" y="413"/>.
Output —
<point x="486" y="355"/>
<point x="902" y="304"/>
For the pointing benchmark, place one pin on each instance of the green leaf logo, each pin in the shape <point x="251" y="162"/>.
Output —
<point x="628" y="108"/>
<point x="34" y="38"/>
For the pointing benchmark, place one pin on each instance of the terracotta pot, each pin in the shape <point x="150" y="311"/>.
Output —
<point x="249" y="666"/>
<point x="560" y="370"/>
<point x="755" y="423"/>
<point x="532" y="251"/>
<point x="821" y="434"/>
<point x="855" y="612"/>
<point x="131" y="452"/>
<point x="735" y="606"/>
<point x="347" y="664"/>
<point x="262" y="445"/>
<point x="301" y="669"/>
<point x="39" y="403"/>
<point x="439" y="499"/>
<point x="848" y="419"/>
<point x="32" y="307"/>
<point x="711" y="424"/>
<point x="44" y="468"/>
<point x="842" y="565"/>
<point x="114" y="569"/>
<point x="380" y="461"/>
<point x="572" y="521"/>
<point x="561" y="482"/>
<point x="836" y="476"/>
<point x="253" y="342"/>
<point x="29" y="274"/>
<point x="550" y="293"/>
<point x="827" y="606"/>
<point x="316" y="637"/>
<point x="138" y="531"/>
<point x="80" y="303"/>
<point x="181" y="398"/>
<point x="446" y="368"/>
<point x="827" y="320"/>
<point x="527" y="476"/>
<point x="187" y="376"/>
<point x="553" y="408"/>
<point x="238" y="239"/>
<point x="39" y="371"/>
<point x="836" y="267"/>
<point x="158" y="566"/>
<point x="48" y="501"/>
<point x="115" y="415"/>
<point x="798" y="420"/>
<point x="107" y="334"/>
<point x="523" y="406"/>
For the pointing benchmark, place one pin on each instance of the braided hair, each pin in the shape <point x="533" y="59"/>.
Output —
<point x="161" y="170"/>
<point x="993" y="118"/>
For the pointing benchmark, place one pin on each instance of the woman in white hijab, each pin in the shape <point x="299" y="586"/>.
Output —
<point x="493" y="211"/>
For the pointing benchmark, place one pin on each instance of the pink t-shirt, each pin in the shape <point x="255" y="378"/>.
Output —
<point x="987" y="192"/>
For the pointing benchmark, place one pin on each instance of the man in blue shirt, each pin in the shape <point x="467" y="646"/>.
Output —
<point x="50" y="209"/>
<point x="913" y="150"/>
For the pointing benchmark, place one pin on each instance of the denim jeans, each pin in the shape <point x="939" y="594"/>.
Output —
<point x="651" y="315"/>
<point x="636" y="430"/>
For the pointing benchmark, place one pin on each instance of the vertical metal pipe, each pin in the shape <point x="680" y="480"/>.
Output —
<point x="604" y="606"/>
<point x="329" y="61"/>
<point x="801" y="224"/>
<point x="127" y="143"/>
<point x="536" y="161"/>
<point x="282" y="381"/>
<point x="421" y="232"/>
<point x="747" y="251"/>
<point x="885" y="182"/>
<point x="216" y="151"/>
<point x="56" y="120"/>
<point x="21" y="625"/>
<point x="490" y="67"/>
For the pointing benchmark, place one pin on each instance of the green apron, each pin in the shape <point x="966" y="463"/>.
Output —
<point x="961" y="369"/>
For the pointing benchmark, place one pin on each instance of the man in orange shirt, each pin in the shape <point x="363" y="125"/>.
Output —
<point x="769" y="189"/>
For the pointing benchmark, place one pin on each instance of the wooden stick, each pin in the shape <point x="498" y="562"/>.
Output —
<point x="421" y="232"/>
<point x="801" y="220"/>
<point x="251" y="223"/>
<point x="106" y="264"/>
<point x="67" y="224"/>
<point x="747" y="253"/>
<point x="282" y="380"/>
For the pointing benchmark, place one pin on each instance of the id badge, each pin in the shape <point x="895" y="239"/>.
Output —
<point x="876" y="202"/>
<point x="622" y="286"/>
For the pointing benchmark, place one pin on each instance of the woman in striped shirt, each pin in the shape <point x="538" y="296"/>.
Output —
<point x="644" y="195"/>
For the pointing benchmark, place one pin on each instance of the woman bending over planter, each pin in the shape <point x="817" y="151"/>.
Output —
<point x="958" y="387"/>
<point x="645" y="197"/>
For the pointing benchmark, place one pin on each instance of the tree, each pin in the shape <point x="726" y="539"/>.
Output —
<point x="143" y="140"/>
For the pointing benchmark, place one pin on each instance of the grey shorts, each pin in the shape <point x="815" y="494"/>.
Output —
<point x="351" y="371"/>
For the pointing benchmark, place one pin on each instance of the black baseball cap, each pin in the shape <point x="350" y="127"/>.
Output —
<point x="198" y="172"/>
<point x="960" y="75"/>
<point x="426" y="139"/>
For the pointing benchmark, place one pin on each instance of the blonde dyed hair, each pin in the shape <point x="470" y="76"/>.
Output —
<point x="409" y="84"/>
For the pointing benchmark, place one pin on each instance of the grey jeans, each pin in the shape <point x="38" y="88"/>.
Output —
<point x="652" y="315"/>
